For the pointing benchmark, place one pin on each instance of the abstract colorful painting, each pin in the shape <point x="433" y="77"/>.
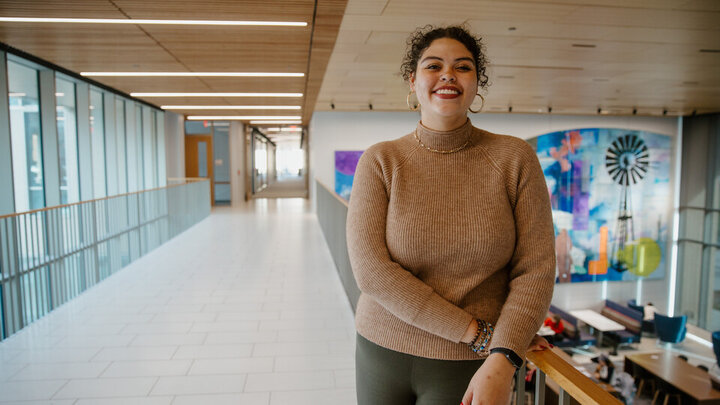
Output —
<point x="610" y="195"/>
<point x="345" y="164"/>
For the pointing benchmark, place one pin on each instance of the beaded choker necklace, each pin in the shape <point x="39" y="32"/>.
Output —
<point x="459" y="148"/>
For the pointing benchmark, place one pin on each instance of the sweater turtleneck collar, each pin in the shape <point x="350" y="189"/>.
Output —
<point x="444" y="140"/>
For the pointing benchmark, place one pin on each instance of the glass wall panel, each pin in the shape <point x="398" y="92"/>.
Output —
<point x="139" y="147"/>
<point x="67" y="141"/>
<point x="131" y="147"/>
<point x="25" y="135"/>
<point x="97" y="137"/>
<point x="149" y="160"/>
<point x="120" y="145"/>
<point x="161" y="165"/>
<point x="715" y="271"/>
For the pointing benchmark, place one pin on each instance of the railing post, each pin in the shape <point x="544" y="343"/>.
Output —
<point x="539" y="387"/>
<point x="20" y="320"/>
<point x="520" y="385"/>
<point x="95" y="240"/>
<point x="563" y="397"/>
<point x="139" y="229"/>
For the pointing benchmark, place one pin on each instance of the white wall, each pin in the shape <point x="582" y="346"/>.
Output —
<point x="331" y="131"/>
<point x="174" y="145"/>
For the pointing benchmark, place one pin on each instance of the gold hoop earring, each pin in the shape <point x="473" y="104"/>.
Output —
<point x="407" y="100"/>
<point x="481" y="105"/>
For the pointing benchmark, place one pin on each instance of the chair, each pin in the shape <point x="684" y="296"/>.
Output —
<point x="647" y="325"/>
<point x="716" y="345"/>
<point x="670" y="329"/>
<point x="714" y="371"/>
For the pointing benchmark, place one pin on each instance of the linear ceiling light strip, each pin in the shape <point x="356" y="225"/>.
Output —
<point x="230" y="107"/>
<point x="190" y="74"/>
<point x="216" y="94"/>
<point x="273" y="122"/>
<point x="149" y="21"/>
<point x="243" y="117"/>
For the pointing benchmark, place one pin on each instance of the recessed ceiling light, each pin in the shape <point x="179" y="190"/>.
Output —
<point x="216" y="94"/>
<point x="230" y="107"/>
<point x="276" y="122"/>
<point x="190" y="74"/>
<point x="151" y="21"/>
<point x="243" y="117"/>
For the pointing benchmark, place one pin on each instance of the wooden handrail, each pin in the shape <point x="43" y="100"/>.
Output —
<point x="575" y="383"/>
<point x="332" y="192"/>
<point x="187" y="180"/>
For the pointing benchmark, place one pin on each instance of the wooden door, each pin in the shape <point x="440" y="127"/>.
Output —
<point x="199" y="159"/>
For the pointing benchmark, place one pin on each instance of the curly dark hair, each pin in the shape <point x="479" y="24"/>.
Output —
<point x="421" y="39"/>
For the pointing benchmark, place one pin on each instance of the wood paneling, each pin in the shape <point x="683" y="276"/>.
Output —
<point x="95" y="47"/>
<point x="644" y="54"/>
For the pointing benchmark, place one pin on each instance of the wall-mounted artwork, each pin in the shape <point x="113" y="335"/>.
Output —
<point x="345" y="164"/>
<point x="610" y="196"/>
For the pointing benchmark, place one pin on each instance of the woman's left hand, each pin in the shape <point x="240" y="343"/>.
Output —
<point x="539" y="343"/>
<point x="492" y="383"/>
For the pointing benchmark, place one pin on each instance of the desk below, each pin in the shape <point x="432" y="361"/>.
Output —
<point x="692" y="381"/>
<point x="596" y="320"/>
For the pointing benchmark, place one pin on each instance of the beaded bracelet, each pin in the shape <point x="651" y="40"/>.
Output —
<point x="482" y="336"/>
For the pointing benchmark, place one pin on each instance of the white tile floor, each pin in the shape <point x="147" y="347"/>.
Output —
<point x="243" y="308"/>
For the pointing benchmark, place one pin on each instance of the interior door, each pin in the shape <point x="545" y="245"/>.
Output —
<point x="199" y="159"/>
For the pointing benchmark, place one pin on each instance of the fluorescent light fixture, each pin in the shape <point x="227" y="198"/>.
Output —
<point x="283" y="129"/>
<point x="149" y="21"/>
<point x="216" y="94"/>
<point x="59" y="94"/>
<point x="276" y="122"/>
<point x="191" y="74"/>
<point x="11" y="94"/>
<point x="230" y="107"/>
<point x="242" y="117"/>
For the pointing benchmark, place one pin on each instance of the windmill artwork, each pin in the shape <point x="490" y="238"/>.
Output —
<point x="627" y="163"/>
<point x="610" y="195"/>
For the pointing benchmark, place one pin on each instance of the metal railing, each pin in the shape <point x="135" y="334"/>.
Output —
<point x="332" y="213"/>
<point x="49" y="256"/>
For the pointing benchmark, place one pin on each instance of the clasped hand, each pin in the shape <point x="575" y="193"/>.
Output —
<point x="492" y="383"/>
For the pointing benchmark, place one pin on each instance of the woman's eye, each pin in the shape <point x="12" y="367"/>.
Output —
<point x="432" y="67"/>
<point x="464" y="68"/>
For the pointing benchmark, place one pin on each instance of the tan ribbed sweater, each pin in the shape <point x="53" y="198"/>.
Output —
<point x="436" y="240"/>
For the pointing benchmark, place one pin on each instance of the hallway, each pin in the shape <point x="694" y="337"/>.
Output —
<point x="291" y="187"/>
<point x="243" y="308"/>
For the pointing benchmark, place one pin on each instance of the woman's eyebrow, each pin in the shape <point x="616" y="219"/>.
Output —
<point x="441" y="59"/>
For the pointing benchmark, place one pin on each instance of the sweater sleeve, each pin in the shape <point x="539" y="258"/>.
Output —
<point x="377" y="275"/>
<point x="532" y="267"/>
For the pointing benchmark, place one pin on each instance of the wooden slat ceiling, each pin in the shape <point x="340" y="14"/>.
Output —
<point x="107" y="47"/>
<point x="633" y="53"/>
<point x="574" y="56"/>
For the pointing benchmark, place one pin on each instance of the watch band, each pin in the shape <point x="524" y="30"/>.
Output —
<point x="512" y="357"/>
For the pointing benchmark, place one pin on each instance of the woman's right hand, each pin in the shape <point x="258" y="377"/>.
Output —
<point x="470" y="332"/>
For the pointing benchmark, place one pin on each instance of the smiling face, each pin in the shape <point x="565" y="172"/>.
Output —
<point x="446" y="83"/>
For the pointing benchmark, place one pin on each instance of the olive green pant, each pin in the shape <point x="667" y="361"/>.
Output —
<point x="387" y="377"/>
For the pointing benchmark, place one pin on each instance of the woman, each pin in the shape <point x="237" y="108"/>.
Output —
<point x="450" y="238"/>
